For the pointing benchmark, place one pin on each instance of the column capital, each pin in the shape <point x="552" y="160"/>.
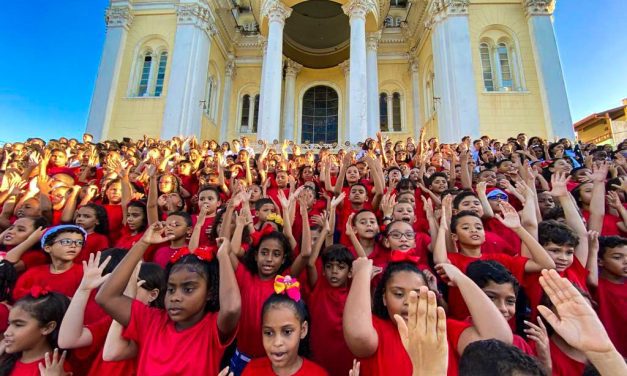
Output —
<point x="119" y="17"/>
<point x="539" y="7"/>
<point x="345" y="66"/>
<point x="276" y="11"/>
<point x="196" y="14"/>
<point x="372" y="40"/>
<point x="230" y="67"/>
<point x="413" y="64"/>
<point x="357" y="8"/>
<point x="292" y="68"/>
<point x="441" y="9"/>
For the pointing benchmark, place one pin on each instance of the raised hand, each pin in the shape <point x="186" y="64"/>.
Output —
<point x="449" y="273"/>
<point x="559" y="181"/>
<point x="154" y="234"/>
<point x="350" y="231"/>
<point x="613" y="200"/>
<point x="623" y="184"/>
<point x="509" y="216"/>
<point x="599" y="172"/>
<point x="575" y="321"/>
<point x="337" y="200"/>
<point x="427" y="205"/>
<point x="53" y="365"/>
<point x="539" y="335"/>
<point x="92" y="272"/>
<point x="225" y="247"/>
<point x="225" y="372"/>
<point x="355" y="370"/>
<point x="387" y="204"/>
<point x="284" y="201"/>
<point x="481" y="188"/>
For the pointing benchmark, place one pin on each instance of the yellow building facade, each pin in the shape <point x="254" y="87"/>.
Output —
<point x="322" y="71"/>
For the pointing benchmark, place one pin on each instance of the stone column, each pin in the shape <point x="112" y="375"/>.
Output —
<point x="291" y="71"/>
<point x="549" y="68"/>
<point x="270" y="100"/>
<point x="226" y="98"/>
<point x="188" y="74"/>
<point x="458" y="112"/>
<point x="118" y="20"/>
<point x="415" y="94"/>
<point x="345" y="66"/>
<point x="264" y="43"/>
<point x="358" y="110"/>
<point x="372" y="43"/>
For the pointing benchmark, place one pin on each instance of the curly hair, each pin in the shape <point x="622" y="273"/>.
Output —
<point x="249" y="258"/>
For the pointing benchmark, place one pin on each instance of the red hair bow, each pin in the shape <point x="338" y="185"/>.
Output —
<point x="39" y="291"/>
<point x="203" y="253"/>
<point x="400" y="256"/>
<point x="257" y="235"/>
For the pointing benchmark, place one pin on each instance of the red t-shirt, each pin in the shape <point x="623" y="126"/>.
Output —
<point x="508" y="235"/>
<point x="523" y="345"/>
<point x="127" y="240"/>
<point x="205" y="231"/>
<point x="163" y="254"/>
<point x="610" y="223"/>
<point x="496" y="244"/>
<point x="263" y="367"/>
<point x="164" y="350"/>
<point x="562" y="364"/>
<point x="32" y="369"/>
<point x="612" y="300"/>
<point x="254" y="292"/>
<point x="115" y="216"/>
<point x="457" y="306"/>
<point x="391" y="357"/>
<point x="328" y="347"/>
<point x="93" y="243"/>
<point x="32" y="257"/>
<point x="4" y="317"/>
<point x="65" y="283"/>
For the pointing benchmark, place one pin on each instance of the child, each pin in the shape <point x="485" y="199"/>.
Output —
<point x="263" y="208"/>
<point x="20" y="243"/>
<point x="8" y="276"/>
<point x="63" y="243"/>
<point x="136" y="222"/>
<point x="178" y="227"/>
<point x="374" y="337"/>
<point x="32" y="334"/>
<point x="285" y="326"/>
<point x="189" y="337"/>
<point x="208" y="198"/>
<point x="610" y="292"/>
<point x="363" y="228"/>
<point x="93" y="219"/>
<point x="327" y="305"/>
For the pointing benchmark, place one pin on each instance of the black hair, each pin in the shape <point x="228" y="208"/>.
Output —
<point x="208" y="270"/>
<point x="394" y="267"/>
<point x="359" y="183"/>
<point x="406" y="183"/>
<point x="394" y="168"/>
<point x="576" y="192"/>
<point x="101" y="215"/>
<point x="483" y="272"/>
<point x="211" y="188"/>
<point x="606" y="242"/>
<point x="185" y="215"/>
<point x="300" y="310"/>
<point x="435" y="175"/>
<point x="249" y="257"/>
<point x="153" y="276"/>
<point x="552" y="231"/>
<point x="263" y="201"/>
<point x="461" y="196"/>
<point x="116" y="254"/>
<point x="46" y="308"/>
<point x="217" y="220"/>
<point x="338" y="253"/>
<point x="140" y="205"/>
<point x="105" y="199"/>
<point x="460" y="215"/>
<point x="494" y="358"/>
<point x="69" y="230"/>
<point x="389" y="226"/>
<point x="37" y="223"/>
<point x="554" y="213"/>
<point x="8" y="277"/>
<point x="612" y="183"/>
<point x="499" y="163"/>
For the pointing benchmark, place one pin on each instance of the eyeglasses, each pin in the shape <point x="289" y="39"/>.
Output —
<point x="397" y="235"/>
<point x="498" y="197"/>
<point x="69" y="242"/>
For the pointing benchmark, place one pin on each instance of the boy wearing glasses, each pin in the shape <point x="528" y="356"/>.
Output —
<point x="63" y="243"/>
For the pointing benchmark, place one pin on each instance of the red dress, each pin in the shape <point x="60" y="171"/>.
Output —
<point x="254" y="292"/>
<point x="390" y="358"/>
<point x="328" y="347"/>
<point x="612" y="300"/>
<point x="65" y="283"/>
<point x="93" y="243"/>
<point x="457" y="306"/>
<point x="263" y="367"/>
<point x="164" y="350"/>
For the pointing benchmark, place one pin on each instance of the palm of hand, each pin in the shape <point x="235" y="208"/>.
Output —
<point x="579" y="326"/>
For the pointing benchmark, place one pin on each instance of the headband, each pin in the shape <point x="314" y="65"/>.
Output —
<point x="55" y="229"/>
<point x="400" y="256"/>
<point x="257" y="235"/>
<point x="287" y="286"/>
<point x="203" y="253"/>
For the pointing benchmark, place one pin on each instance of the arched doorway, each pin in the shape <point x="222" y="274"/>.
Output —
<point x="319" y="115"/>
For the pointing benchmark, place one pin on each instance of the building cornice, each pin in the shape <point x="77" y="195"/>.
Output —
<point x="119" y="16"/>
<point x="539" y="7"/>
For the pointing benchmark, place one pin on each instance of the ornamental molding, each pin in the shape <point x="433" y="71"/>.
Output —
<point x="539" y="7"/>
<point x="230" y="67"/>
<point x="119" y="17"/>
<point x="439" y="10"/>
<point x="276" y="11"/>
<point x="345" y="67"/>
<point x="372" y="40"/>
<point x="292" y="68"/>
<point x="413" y="64"/>
<point x="198" y="15"/>
<point x="358" y="8"/>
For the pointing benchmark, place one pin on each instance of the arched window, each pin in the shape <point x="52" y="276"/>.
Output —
<point x="396" y="112"/>
<point x="163" y="60"/>
<point x="486" y="64"/>
<point x="256" y="114"/>
<point x="249" y="113"/>
<point x="149" y="69"/>
<point x="320" y="115"/>
<point x="245" y="114"/>
<point x="507" y="83"/>
<point x="144" y="79"/>
<point x="211" y="98"/>
<point x="383" y="112"/>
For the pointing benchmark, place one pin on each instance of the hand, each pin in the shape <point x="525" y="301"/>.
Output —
<point x="613" y="200"/>
<point x="539" y="335"/>
<point x="284" y="201"/>
<point x="558" y="184"/>
<point x="593" y="242"/>
<point x="225" y="247"/>
<point x="509" y="216"/>
<point x="575" y="321"/>
<point x="350" y="231"/>
<point x="449" y="273"/>
<point x="427" y="205"/>
<point x="599" y="172"/>
<point x="53" y="366"/>
<point x="387" y="204"/>
<point x="362" y="265"/>
<point x="446" y="212"/>
<point x="424" y="334"/>
<point x="43" y="183"/>
<point x="337" y="200"/>
<point x="481" y="188"/>
<point x="92" y="272"/>
<point x="355" y="370"/>
<point x="623" y="184"/>
<point x="154" y="234"/>
<point x="225" y="372"/>
<point x="242" y="220"/>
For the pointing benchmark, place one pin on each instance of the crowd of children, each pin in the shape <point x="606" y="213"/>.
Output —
<point x="178" y="257"/>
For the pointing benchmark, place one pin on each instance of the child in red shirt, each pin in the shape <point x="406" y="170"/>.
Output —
<point x="21" y="245"/>
<point x="374" y="337"/>
<point x="327" y="301"/>
<point x="208" y="198"/>
<point x="285" y="323"/>
<point x="93" y="219"/>
<point x="178" y="227"/>
<point x="191" y="323"/>
<point x="63" y="243"/>
<point x="31" y="335"/>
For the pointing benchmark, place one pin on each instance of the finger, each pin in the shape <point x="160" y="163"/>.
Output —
<point x="531" y="325"/>
<point x="47" y="359"/>
<point x="63" y="356"/>
<point x="541" y="323"/>
<point x="432" y="307"/>
<point x="412" y="316"/>
<point x="549" y="286"/>
<point x="441" y="325"/>
<point x="42" y="369"/>
<point x="421" y="319"/>
<point x="403" y="331"/>
<point x="104" y="264"/>
<point x="549" y="316"/>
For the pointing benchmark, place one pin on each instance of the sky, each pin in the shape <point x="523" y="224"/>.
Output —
<point x="51" y="55"/>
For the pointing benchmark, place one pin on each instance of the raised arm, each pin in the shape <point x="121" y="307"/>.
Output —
<point x="597" y="202"/>
<point x="67" y="216"/>
<point x="151" y="205"/>
<point x="359" y="332"/>
<point x="344" y="163"/>
<point x="440" y="254"/>
<point x="302" y="260"/>
<point x="230" y="298"/>
<point x="312" y="272"/>
<point x="350" y="232"/>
